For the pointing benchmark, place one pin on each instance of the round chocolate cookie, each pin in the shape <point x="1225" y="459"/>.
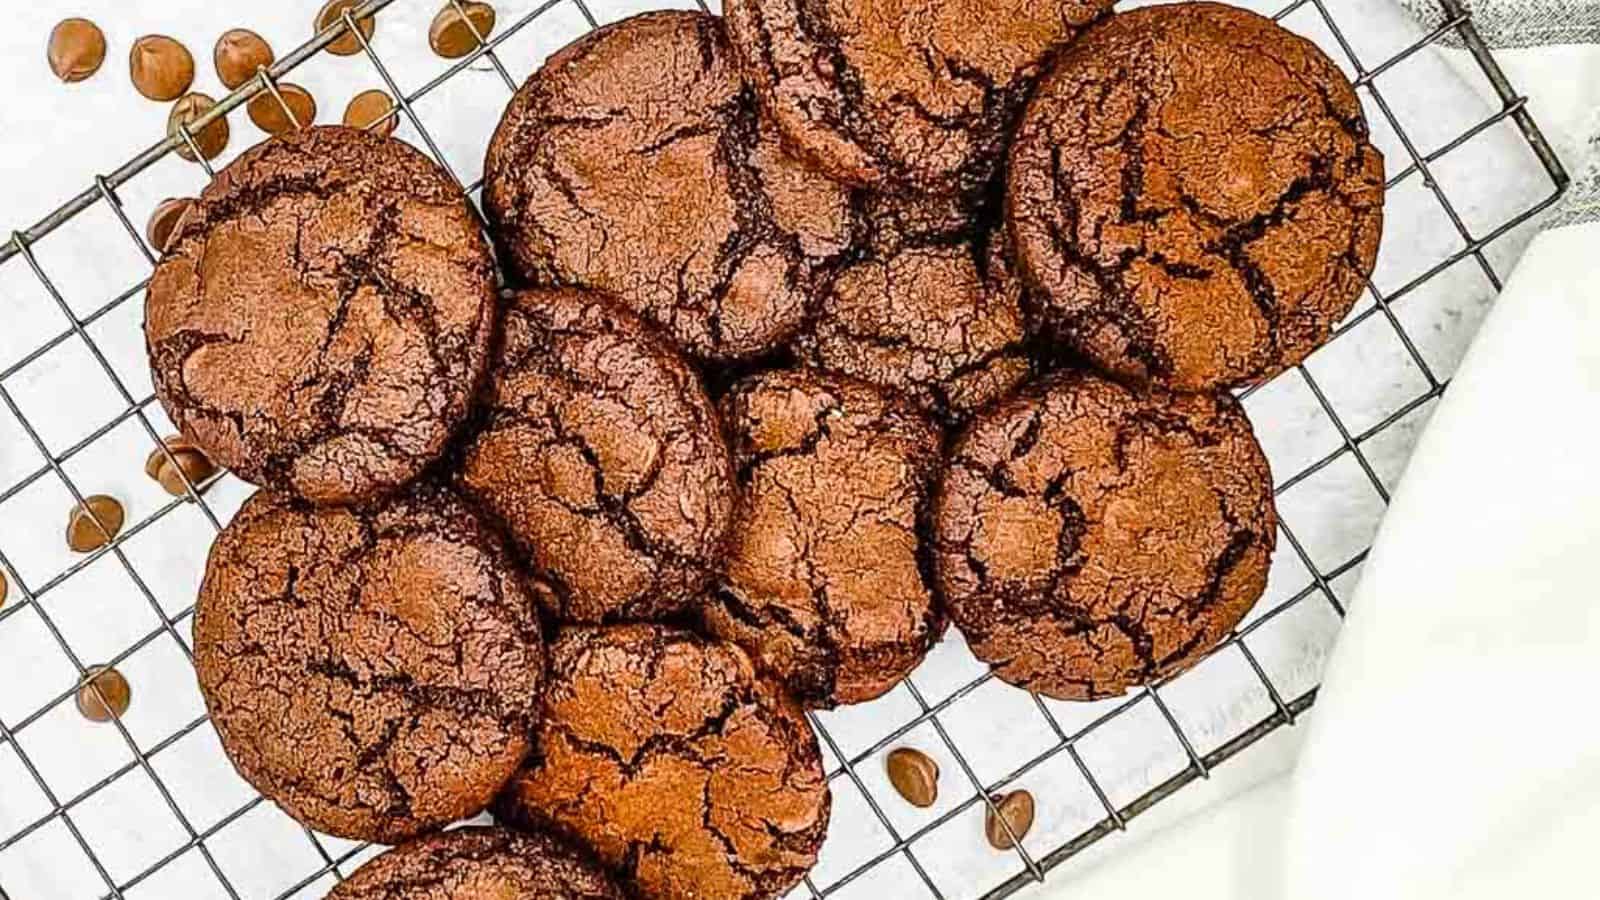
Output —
<point x="603" y="457"/>
<point x="932" y="310"/>
<point x="685" y="771"/>
<point x="480" y="864"/>
<point x="1193" y="195"/>
<point x="634" y="162"/>
<point x="1091" y="537"/>
<point x="375" y="671"/>
<point x="825" y="584"/>
<point x="913" y="96"/>
<point x="323" y="315"/>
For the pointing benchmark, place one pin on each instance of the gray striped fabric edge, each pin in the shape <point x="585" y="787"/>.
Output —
<point x="1520" y="24"/>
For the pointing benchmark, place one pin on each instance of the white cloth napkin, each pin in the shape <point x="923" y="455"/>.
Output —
<point x="1454" y="751"/>
<point x="1456" y="748"/>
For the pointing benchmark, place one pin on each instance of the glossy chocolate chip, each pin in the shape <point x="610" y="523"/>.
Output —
<point x="161" y="68"/>
<point x="239" y="54"/>
<point x="454" y="35"/>
<point x="103" y="694"/>
<point x="914" y="775"/>
<point x="76" y="50"/>
<point x="212" y="139"/>
<point x="1015" y="810"/>
<point x="164" y="221"/>
<point x="87" y="533"/>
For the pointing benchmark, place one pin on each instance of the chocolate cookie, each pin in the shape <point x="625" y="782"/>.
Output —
<point x="373" y="671"/>
<point x="480" y="864"/>
<point x="603" y="457"/>
<point x="322" y="316"/>
<point x="1193" y="195"/>
<point x="825" y="583"/>
<point x="913" y="96"/>
<point x="893" y="221"/>
<point x="1091" y="536"/>
<point x="932" y="310"/>
<point x="634" y="162"/>
<point x="666" y="753"/>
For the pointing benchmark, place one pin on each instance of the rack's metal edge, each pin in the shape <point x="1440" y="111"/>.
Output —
<point x="1149" y="799"/>
<point x="1484" y="57"/>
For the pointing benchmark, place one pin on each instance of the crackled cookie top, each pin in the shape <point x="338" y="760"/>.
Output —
<point x="375" y="671"/>
<point x="480" y="864"/>
<point x="824" y="583"/>
<point x="633" y="162"/>
<point x="932" y="310"/>
<point x="602" y="455"/>
<point x="321" y="319"/>
<point x="1090" y="537"/>
<point x="676" y="763"/>
<point x="1193" y="195"/>
<point x="906" y="95"/>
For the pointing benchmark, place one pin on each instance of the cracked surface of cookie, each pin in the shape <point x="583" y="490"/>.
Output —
<point x="665" y="752"/>
<point x="932" y="310"/>
<point x="1091" y="537"/>
<point x="374" y="671"/>
<point x="1193" y="194"/>
<point x="480" y="864"/>
<point x="322" y="318"/>
<point x="911" y="96"/>
<point x="827" y="582"/>
<point x="602" y="455"/>
<point x="634" y="162"/>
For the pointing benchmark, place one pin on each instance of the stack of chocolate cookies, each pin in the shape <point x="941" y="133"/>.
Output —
<point x="823" y="325"/>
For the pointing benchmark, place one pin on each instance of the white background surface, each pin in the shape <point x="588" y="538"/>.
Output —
<point x="54" y="138"/>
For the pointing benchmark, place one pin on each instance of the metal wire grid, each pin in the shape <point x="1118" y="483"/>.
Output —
<point x="1031" y="869"/>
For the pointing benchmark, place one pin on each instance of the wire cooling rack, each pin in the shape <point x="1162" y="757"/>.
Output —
<point x="181" y="824"/>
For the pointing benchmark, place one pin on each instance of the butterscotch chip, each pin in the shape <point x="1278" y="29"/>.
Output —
<point x="5" y="588"/>
<point x="181" y="459"/>
<point x="88" y="532"/>
<point x="453" y="35"/>
<point x="374" y="671"/>
<point x="176" y="443"/>
<point x="212" y="139"/>
<point x="1194" y="196"/>
<point x="825" y="582"/>
<point x="369" y="107"/>
<point x="164" y="221"/>
<point x="689" y="774"/>
<point x="298" y="109"/>
<point x="161" y="67"/>
<point x="239" y="54"/>
<point x="103" y="695"/>
<point x="76" y="49"/>
<point x="914" y="775"/>
<point x="1014" y="811"/>
<point x="1091" y="537"/>
<point x="346" y="44"/>
<point x="192" y="465"/>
